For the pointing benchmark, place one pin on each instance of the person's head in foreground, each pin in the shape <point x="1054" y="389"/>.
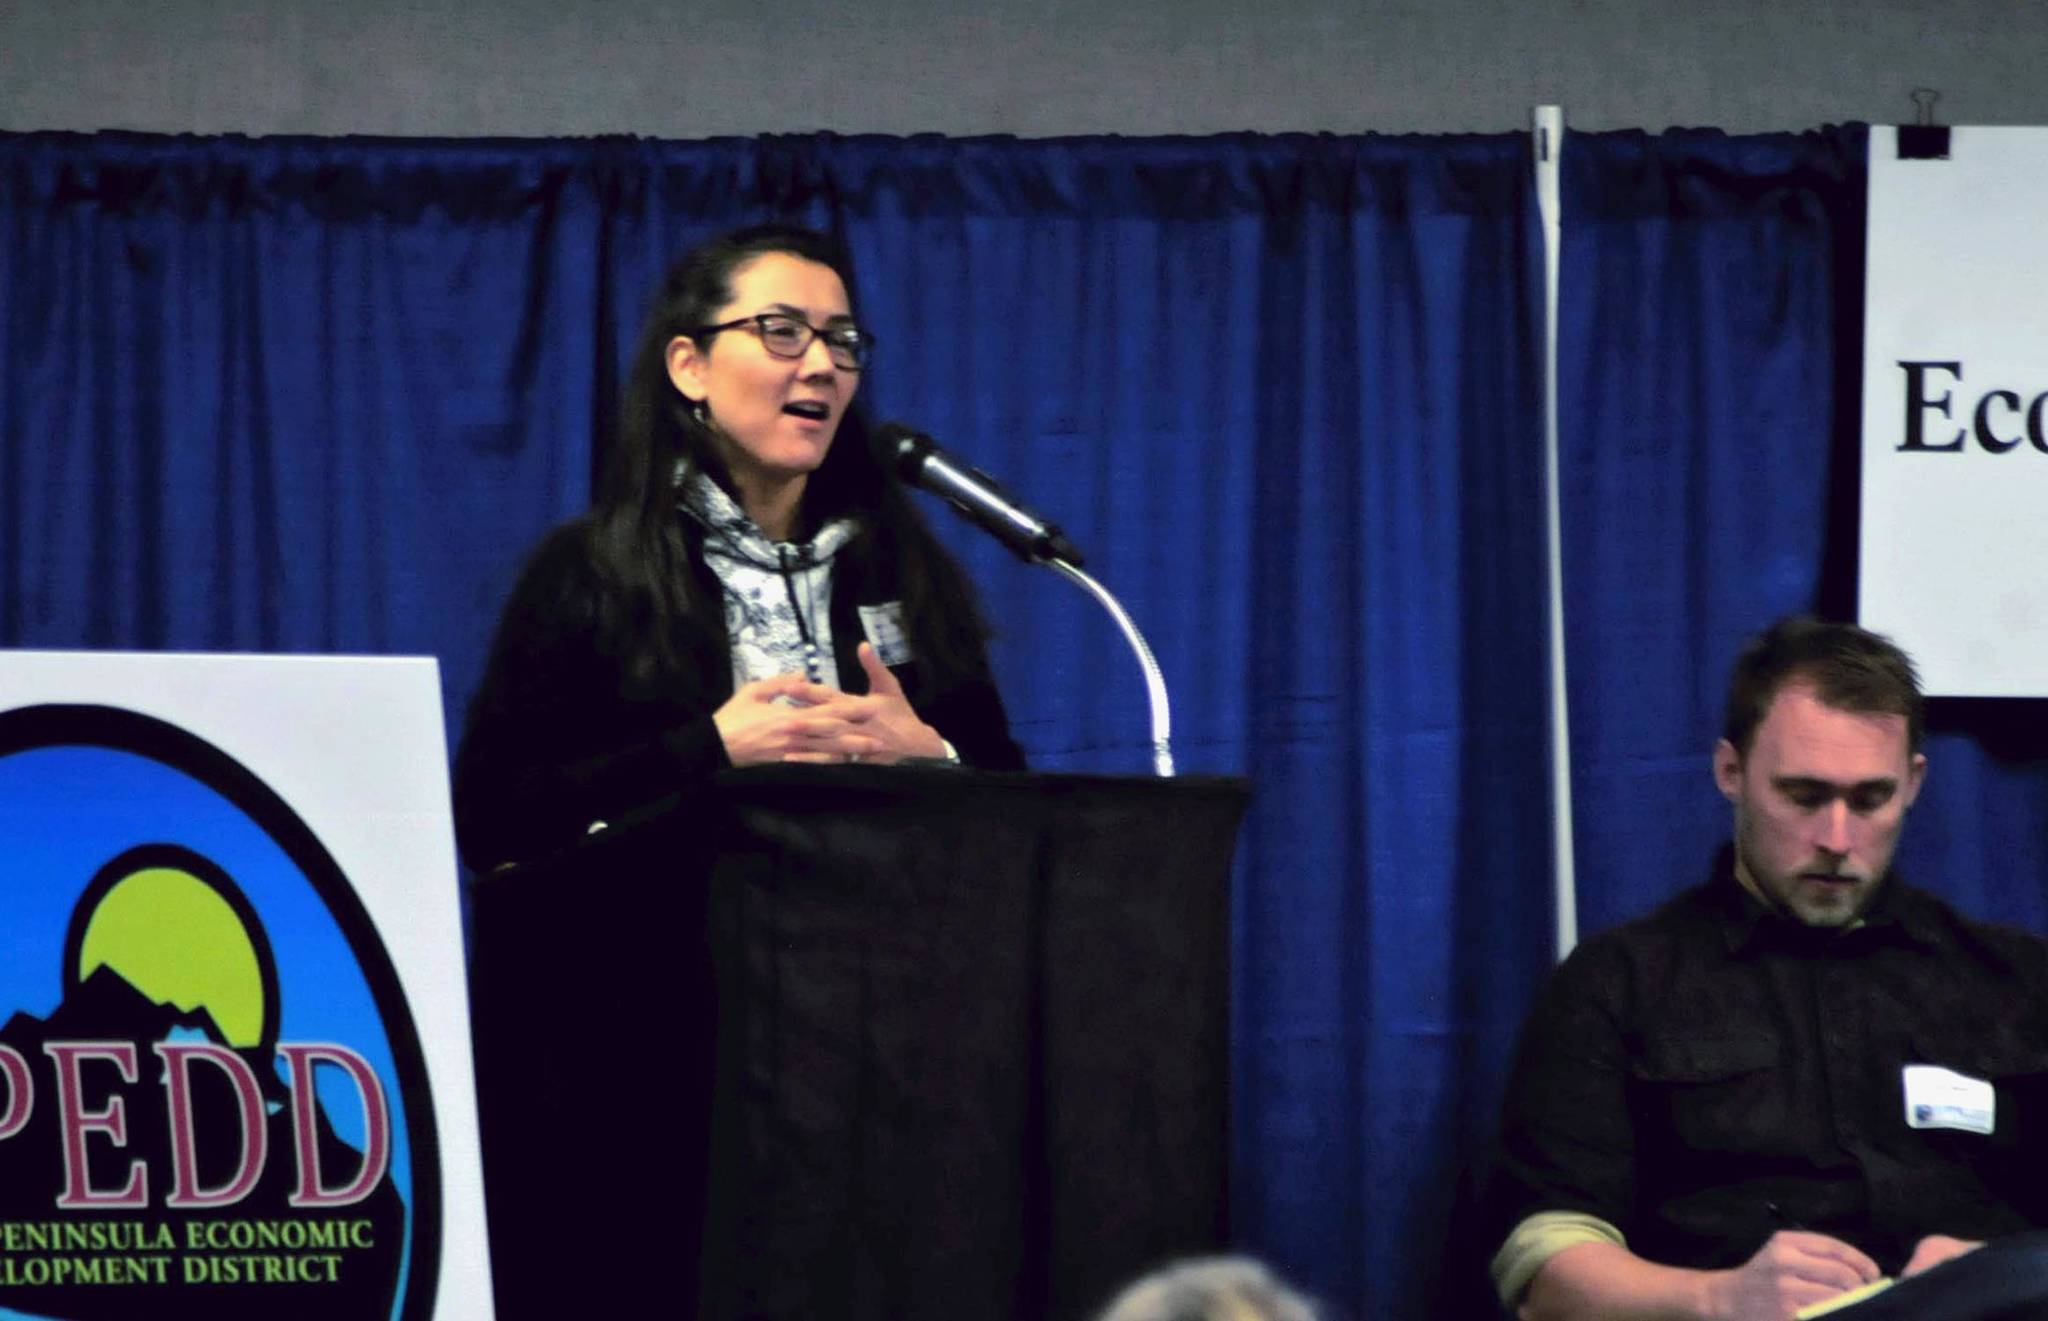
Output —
<point x="1210" y="1289"/>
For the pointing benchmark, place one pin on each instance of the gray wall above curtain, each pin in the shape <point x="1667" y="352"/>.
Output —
<point x="698" y="68"/>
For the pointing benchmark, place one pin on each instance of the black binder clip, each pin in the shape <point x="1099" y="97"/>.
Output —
<point x="1923" y="139"/>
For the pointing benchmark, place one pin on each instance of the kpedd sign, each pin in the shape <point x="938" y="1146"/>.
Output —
<point x="1955" y="410"/>
<point x="234" y="1071"/>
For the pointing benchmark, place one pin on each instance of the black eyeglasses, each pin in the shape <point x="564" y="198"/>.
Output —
<point x="787" y="336"/>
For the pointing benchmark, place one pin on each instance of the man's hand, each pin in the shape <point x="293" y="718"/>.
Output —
<point x="1793" y="1269"/>
<point x="1606" y="1282"/>
<point x="1936" y="1249"/>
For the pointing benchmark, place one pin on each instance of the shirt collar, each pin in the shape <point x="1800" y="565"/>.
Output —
<point x="730" y="534"/>
<point x="1897" y="912"/>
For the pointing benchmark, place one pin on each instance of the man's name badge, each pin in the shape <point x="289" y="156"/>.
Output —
<point x="884" y="626"/>
<point x="1942" y="1098"/>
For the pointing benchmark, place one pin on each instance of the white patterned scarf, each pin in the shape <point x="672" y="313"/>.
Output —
<point x="778" y="594"/>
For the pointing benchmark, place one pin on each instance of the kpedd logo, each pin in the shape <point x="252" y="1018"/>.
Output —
<point x="212" y="1097"/>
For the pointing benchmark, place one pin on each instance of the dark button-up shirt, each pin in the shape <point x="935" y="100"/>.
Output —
<point x="1714" y="1072"/>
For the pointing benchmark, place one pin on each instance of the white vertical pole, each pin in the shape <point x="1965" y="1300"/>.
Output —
<point x="1548" y="133"/>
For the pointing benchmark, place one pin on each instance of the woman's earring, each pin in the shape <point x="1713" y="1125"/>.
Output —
<point x="699" y="412"/>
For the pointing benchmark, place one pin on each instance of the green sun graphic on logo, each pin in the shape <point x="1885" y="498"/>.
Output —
<point x="179" y="941"/>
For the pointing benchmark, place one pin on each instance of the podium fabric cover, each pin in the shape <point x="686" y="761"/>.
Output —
<point x="860" y="1042"/>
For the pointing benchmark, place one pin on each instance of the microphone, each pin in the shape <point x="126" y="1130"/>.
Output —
<point x="974" y="495"/>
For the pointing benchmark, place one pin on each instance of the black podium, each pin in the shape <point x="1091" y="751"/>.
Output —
<point x="859" y="1042"/>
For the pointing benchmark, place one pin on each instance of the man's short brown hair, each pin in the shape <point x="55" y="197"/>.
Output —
<point x="1850" y="668"/>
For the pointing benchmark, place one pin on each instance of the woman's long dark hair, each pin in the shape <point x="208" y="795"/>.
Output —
<point x="657" y="612"/>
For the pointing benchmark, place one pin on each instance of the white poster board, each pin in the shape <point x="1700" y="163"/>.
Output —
<point x="232" y="978"/>
<point x="1955" y="410"/>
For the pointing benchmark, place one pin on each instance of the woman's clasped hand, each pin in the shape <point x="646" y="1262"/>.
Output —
<point x="788" y="718"/>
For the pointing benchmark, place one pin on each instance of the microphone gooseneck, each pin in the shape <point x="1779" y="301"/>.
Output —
<point x="976" y="497"/>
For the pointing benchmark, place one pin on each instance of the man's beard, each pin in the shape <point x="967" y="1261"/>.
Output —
<point x="1816" y="902"/>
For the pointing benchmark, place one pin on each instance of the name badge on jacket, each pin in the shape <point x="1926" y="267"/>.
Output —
<point x="884" y="626"/>
<point x="1942" y="1098"/>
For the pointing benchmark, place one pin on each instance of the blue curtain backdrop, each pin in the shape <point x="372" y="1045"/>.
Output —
<point x="1710" y="342"/>
<point x="292" y="395"/>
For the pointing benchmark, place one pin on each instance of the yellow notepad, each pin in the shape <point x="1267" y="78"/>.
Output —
<point x="1842" y="1300"/>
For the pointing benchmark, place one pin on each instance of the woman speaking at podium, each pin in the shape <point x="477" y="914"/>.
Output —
<point x="752" y="584"/>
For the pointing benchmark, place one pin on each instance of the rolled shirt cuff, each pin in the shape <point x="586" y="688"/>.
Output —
<point x="1539" y="1238"/>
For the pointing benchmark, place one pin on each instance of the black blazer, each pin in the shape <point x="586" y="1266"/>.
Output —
<point x="558" y="735"/>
